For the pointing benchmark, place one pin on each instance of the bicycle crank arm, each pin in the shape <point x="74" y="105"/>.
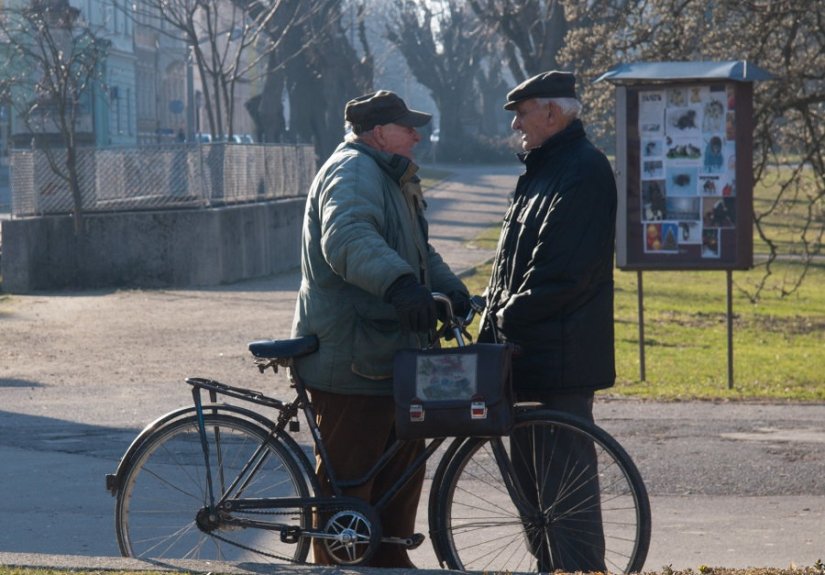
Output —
<point x="412" y="542"/>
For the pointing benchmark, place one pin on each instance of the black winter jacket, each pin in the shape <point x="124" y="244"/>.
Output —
<point x="551" y="289"/>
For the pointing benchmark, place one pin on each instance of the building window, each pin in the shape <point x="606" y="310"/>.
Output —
<point x="129" y="126"/>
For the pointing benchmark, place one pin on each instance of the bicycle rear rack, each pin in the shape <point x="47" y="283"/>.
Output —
<point x="251" y="395"/>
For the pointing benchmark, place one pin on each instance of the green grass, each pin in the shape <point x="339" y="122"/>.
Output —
<point x="778" y="343"/>
<point x="788" y="217"/>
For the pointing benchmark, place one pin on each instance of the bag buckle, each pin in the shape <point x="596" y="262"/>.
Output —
<point x="416" y="412"/>
<point x="478" y="410"/>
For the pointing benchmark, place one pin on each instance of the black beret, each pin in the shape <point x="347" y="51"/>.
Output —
<point x="552" y="84"/>
<point x="382" y="107"/>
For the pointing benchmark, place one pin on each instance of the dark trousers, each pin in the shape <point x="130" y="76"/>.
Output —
<point x="551" y="469"/>
<point x="356" y="430"/>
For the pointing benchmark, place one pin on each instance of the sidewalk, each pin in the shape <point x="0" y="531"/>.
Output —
<point x="731" y="485"/>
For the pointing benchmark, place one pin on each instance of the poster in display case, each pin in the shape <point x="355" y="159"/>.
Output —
<point x="683" y="164"/>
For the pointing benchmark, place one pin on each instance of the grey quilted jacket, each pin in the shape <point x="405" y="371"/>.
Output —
<point x="363" y="228"/>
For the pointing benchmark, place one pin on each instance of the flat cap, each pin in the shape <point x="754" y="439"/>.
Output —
<point x="382" y="107"/>
<point x="552" y="84"/>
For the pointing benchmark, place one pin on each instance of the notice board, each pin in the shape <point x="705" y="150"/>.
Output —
<point x="684" y="149"/>
<point x="687" y="183"/>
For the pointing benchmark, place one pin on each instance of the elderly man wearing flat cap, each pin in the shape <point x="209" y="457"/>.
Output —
<point x="551" y="293"/>
<point x="367" y="274"/>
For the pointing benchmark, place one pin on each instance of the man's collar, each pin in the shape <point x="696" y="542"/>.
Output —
<point x="399" y="168"/>
<point x="573" y="131"/>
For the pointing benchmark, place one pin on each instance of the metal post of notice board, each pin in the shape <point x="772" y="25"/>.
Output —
<point x="641" y="298"/>
<point x="730" y="328"/>
<point x="641" y="311"/>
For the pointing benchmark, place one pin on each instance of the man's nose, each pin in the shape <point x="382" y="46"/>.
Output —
<point x="515" y="123"/>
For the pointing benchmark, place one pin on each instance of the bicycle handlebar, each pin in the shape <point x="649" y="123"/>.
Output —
<point x="457" y="325"/>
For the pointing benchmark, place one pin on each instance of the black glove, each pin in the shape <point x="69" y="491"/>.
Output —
<point x="461" y="303"/>
<point x="413" y="303"/>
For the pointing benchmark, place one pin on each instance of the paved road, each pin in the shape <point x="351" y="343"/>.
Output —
<point x="731" y="485"/>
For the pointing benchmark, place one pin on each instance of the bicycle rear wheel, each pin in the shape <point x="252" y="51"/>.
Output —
<point x="160" y="511"/>
<point x="559" y="493"/>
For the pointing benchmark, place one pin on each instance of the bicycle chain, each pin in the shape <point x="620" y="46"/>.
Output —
<point x="265" y="553"/>
<point x="258" y="551"/>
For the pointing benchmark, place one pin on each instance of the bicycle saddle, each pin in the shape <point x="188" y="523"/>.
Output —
<point x="283" y="348"/>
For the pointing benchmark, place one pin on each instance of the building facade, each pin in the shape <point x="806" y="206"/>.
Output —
<point x="145" y="97"/>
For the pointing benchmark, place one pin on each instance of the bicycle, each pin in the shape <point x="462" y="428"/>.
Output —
<point x="223" y="481"/>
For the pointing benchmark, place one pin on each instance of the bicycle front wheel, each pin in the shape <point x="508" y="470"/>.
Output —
<point x="559" y="493"/>
<point x="161" y="505"/>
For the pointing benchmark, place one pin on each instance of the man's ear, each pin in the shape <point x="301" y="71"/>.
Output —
<point x="378" y="135"/>
<point x="552" y="112"/>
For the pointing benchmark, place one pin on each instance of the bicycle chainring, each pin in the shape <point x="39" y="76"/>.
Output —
<point x="352" y="537"/>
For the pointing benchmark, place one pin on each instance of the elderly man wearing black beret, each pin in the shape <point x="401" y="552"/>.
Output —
<point x="367" y="271"/>
<point x="551" y="293"/>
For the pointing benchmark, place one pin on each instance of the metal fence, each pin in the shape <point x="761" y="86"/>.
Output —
<point x="148" y="178"/>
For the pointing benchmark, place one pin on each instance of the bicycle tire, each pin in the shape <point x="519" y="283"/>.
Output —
<point x="165" y="486"/>
<point x="479" y="527"/>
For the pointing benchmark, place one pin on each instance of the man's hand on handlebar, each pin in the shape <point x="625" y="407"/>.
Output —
<point x="456" y="318"/>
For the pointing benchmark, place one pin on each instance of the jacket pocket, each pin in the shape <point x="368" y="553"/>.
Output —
<point x="373" y="348"/>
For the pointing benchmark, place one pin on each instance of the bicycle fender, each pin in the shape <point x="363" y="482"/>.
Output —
<point x="114" y="480"/>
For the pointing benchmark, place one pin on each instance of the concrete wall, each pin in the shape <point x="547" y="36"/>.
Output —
<point x="168" y="248"/>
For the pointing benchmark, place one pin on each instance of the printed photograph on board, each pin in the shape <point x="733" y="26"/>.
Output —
<point x="653" y="169"/>
<point x="710" y="243"/>
<point x="687" y="154"/>
<point x="653" y="200"/>
<point x="661" y="237"/>
<point x="681" y="180"/>
<point x="718" y="212"/>
<point x="683" y="208"/>
<point x="652" y="148"/>
<point x="683" y="122"/>
<point x="690" y="233"/>
<point x="713" y="115"/>
<point x="687" y="150"/>
<point x="713" y="160"/>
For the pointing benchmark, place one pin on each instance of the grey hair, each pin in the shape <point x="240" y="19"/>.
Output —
<point x="570" y="107"/>
<point x="351" y="135"/>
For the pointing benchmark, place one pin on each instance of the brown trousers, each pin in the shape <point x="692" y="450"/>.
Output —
<point x="356" y="430"/>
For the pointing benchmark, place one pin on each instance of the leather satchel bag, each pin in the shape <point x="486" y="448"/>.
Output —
<point x="456" y="392"/>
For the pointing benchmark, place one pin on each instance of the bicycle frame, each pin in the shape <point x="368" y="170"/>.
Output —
<point x="258" y="472"/>
<point x="287" y="412"/>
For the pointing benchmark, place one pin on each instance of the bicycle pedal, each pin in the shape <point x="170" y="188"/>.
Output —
<point x="416" y="540"/>
<point x="411" y="542"/>
<point x="290" y="534"/>
<point x="294" y="426"/>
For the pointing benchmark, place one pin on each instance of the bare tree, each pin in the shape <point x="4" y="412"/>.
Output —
<point x="785" y="36"/>
<point x="320" y="68"/>
<point x="533" y="31"/>
<point x="228" y="41"/>
<point x="53" y="68"/>
<point x="444" y="46"/>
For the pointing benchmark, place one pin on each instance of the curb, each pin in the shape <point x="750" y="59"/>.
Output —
<point x="86" y="563"/>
